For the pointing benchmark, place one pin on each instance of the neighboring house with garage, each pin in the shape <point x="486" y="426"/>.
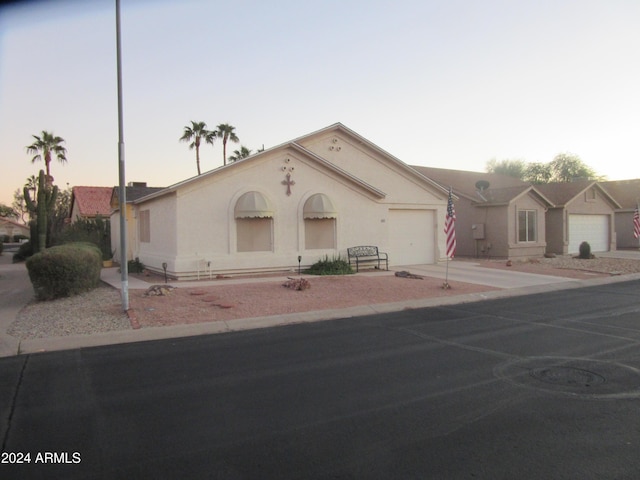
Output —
<point x="89" y="202"/>
<point x="313" y="197"/>
<point x="627" y="194"/>
<point x="582" y="211"/>
<point x="496" y="215"/>
<point x="133" y="191"/>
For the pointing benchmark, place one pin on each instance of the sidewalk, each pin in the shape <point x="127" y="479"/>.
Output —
<point x="16" y="291"/>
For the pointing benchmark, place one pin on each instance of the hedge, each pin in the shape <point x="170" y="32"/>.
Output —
<point x="65" y="270"/>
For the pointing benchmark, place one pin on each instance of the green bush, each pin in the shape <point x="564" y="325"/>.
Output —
<point x="65" y="270"/>
<point x="326" y="266"/>
<point x="25" y="250"/>
<point x="585" y="250"/>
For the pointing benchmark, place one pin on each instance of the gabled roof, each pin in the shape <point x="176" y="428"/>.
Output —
<point x="339" y="127"/>
<point x="296" y="146"/>
<point x="501" y="188"/>
<point x="626" y="192"/>
<point x="562" y="193"/>
<point x="91" y="201"/>
<point x="12" y="222"/>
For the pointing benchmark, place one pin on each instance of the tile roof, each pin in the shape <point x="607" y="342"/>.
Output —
<point x="92" y="201"/>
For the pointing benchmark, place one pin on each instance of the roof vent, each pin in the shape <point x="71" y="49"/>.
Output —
<point x="482" y="185"/>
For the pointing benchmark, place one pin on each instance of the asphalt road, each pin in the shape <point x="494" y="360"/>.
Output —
<point x="538" y="387"/>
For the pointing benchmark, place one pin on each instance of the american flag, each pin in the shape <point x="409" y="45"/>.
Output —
<point x="450" y="227"/>
<point x="636" y="223"/>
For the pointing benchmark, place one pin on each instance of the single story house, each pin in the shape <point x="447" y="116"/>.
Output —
<point x="11" y="227"/>
<point x="496" y="215"/>
<point x="627" y="194"/>
<point x="309" y="198"/>
<point x="133" y="191"/>
<point x="582" y="211"/>
<point x="89" y="202"/>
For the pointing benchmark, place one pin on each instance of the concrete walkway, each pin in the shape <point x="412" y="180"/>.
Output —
<point x="16" y="291"/>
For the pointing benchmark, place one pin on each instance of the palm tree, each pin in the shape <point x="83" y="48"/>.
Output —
<point x="244" y="152"/>
<point x="44" y="147"/>
<point x="226" y="132"/>
<point x="194" y="134"/>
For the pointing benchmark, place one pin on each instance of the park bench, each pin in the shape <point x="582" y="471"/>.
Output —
<point x="367" y="254"/>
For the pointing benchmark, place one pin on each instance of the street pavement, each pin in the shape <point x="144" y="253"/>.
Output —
<point x="16" y="291"/>
<point x="531" y="387"/>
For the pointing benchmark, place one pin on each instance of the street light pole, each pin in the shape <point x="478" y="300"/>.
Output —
<point x="121" y="174"/>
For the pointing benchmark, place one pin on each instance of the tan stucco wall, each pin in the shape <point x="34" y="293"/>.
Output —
<point x="624" y="230"/>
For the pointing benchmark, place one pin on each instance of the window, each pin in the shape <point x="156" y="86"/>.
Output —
<point x="319" y="222"/>
<point x="254" y="223"/>
<point x="144" y="224"/>
<point x="527" y="225"/>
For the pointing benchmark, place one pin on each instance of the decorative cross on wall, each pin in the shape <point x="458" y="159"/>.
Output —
<point x="288" y="182"/>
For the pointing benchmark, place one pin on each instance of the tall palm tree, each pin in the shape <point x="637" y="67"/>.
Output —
<point x="194" y="134"/>
<point x="226" y="132"/>
<point x="244" y="152"/>
<point x="44" y="147"/>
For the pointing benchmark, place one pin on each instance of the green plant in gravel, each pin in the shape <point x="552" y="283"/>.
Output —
<point x="135" y="266"/>
<point x="584" y="250"/>
<point x="334" y="266"/>
<point x="65" y="270"/>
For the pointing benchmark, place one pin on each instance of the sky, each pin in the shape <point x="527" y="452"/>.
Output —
<point x="440" y="83"/>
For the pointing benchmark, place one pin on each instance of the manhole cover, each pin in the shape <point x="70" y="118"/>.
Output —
<point x="572" y="376"/>
<point x="567" y="376"/>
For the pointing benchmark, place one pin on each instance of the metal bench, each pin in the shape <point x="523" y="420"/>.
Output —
<point x="367" y="254"/>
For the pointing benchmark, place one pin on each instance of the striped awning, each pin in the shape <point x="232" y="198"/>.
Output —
<point x="319" y="206"/>
<point x="253" y="205"/>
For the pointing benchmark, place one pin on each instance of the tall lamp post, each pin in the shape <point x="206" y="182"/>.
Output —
<point x="121" y="174"/>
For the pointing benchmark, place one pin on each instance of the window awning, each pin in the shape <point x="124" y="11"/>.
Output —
<point x="253" y="205"/>
<point x="319" y="206"/>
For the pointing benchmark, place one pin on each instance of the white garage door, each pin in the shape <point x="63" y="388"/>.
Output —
<point x="411" y="237"/>
<point x="589" y="228"/>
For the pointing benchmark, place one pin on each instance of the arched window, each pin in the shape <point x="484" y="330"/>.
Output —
<point x="319" y="222"/>
<point x="254" y="223"/>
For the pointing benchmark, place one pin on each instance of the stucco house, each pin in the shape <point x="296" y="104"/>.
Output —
<point x="627" y="194"/>
<point x="89" y="202"/>
<point x="582" y="211"/>
<point x="11" y="227"/>
<point x="497" y="215"/>
<point x="133" y="191"/>
<point x="312" y="197"/>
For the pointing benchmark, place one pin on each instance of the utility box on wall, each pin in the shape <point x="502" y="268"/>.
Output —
<point x="478" y="231"/>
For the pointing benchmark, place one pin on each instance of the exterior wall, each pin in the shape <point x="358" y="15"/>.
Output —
<point x="623" y="221"/>
<point x="196" y="226"/>
<point x="556" y="231"/>
<point x="162" y="246"/>
<point x="500" y="224"/>
<point x="132" y="233"/>
<point x="528" y="249"/>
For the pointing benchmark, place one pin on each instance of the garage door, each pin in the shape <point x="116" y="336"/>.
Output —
<point x="589" y="228"/>
<point x="411" y="237"/>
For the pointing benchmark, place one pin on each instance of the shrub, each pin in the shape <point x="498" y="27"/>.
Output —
<point x="334" y="266"/>
<point x="65" y="270"/>
<point x="25" y="250"/>
<point x="585" y="250"/>
<point x="1" y="247"/>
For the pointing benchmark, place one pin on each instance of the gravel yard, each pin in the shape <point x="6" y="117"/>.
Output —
<point x="100" y="309"/>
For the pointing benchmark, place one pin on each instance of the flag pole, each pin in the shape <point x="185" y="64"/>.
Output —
<point x="122" y="193"/>
<point x="450" y="235"/>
